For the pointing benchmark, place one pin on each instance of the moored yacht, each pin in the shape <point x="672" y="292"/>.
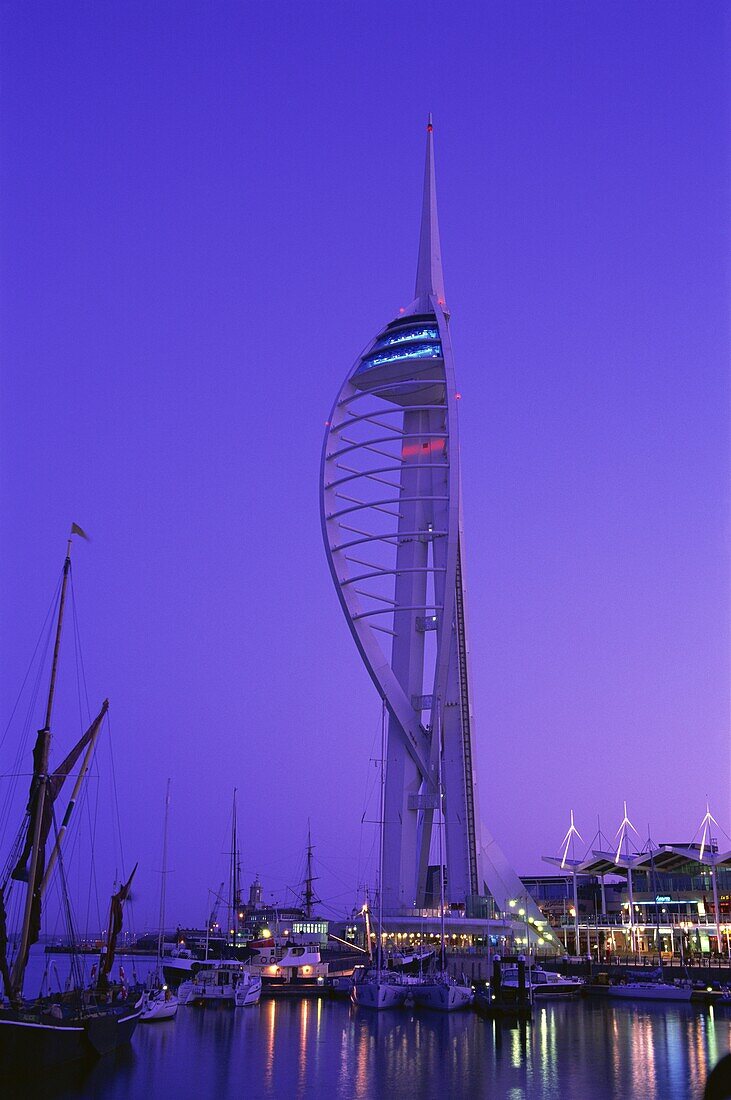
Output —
<point x="85" y="1021"/>
<point x="441" y="992"/>
<point x="438" y="989"/>
<point x="380" y="989"/>
<point x="161" y="1004"/>
<point x="222" y="982"/>
<point x="542" y="983"/>
<point x="288" y="964"/>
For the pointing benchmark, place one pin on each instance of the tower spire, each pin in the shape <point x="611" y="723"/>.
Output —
<point x="429" y="274"/>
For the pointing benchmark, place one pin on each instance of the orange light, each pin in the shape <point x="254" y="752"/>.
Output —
<point x="458" y="397"/>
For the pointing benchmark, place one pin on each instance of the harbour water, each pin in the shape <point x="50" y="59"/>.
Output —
<point x="319" y="1048"/>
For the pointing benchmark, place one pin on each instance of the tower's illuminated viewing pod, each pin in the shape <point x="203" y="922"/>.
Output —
<point x="390" y="502"/>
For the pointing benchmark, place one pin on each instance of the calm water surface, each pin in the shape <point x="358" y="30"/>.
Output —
<point x="314" y="1048"/>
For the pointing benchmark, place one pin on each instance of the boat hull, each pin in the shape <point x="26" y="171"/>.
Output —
<point x="159" y="1009"/>
<point x="378" y="995"/>
<point x="29" y="1041"/>
<point x="646" y="992"/>
<point x="442" y="997"/>
<point x="240" y="995"/>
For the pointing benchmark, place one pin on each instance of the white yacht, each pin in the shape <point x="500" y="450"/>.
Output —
<point x="284" y="963"/>
<point x="541" y="983"/>
<point x="159" y="1005"/>
<point x="222" y="982"/>
<point x="438" y="989"/>
<point x="441" y="992"/>
<point x="650" y="991"/>
<point x="380" y="989"/>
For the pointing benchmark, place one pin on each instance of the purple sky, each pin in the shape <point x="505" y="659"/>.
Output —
<point x="207" y="211"/>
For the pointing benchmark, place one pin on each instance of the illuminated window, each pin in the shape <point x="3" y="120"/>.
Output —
<point x="408" y="336"/>
<point x="423" y="351"/>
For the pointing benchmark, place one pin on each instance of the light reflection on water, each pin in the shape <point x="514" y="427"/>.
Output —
<point x="291" y="1049"/>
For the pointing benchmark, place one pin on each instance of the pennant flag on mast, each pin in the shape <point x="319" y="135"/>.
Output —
<point x="76" y="530"/>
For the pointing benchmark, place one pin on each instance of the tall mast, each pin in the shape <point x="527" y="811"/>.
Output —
<point x="309" y="892"/>
<point x="381" y="827"/>
<point x="92" y="733"/>
<point x="235" y="899"/>
<point x="163" y="884"/>
<point x="41" y="757"/>
<point x="438" y="732"/>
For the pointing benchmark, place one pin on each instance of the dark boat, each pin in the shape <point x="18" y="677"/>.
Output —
<point x="40" y="1035"/>
<point x="85" y="1022"/>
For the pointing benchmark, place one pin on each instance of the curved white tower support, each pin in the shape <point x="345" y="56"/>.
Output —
<point x="391" y="520"/>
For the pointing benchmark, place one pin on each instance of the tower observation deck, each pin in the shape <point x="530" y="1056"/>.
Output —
<point x="392" y="526"/>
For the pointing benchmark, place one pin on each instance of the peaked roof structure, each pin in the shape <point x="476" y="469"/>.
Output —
<point x="429" y="274"/>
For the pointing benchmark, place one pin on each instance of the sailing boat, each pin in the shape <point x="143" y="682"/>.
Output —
<point x="380" y="988"/>
<point x="227" y="980"/>
<point x="161" y="1003"/>
<point x="439" y="989"/>
<point x="83" y="1022"/>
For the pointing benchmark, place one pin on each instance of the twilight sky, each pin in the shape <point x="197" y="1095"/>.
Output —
<point x="206" y="211"/>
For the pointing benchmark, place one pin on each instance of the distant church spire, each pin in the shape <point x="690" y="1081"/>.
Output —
<point x="429" y="274"/>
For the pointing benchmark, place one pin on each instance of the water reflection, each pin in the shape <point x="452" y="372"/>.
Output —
<point x="321" y="1048"/>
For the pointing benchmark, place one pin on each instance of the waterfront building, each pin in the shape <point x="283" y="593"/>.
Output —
<point x="670" y="898"/>
<point x="392" y="526"/>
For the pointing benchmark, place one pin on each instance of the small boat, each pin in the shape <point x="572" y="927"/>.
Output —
<point x="438" y="989"/>
<point x="442" y="992"/>
<point x="341" y="985"/>
<point x="380" y="989"/>
<point x="222" y="982"/>
<point x="542" y="984"/>
<point x="84" y="1022"/>
<point x="650" y="991"/>
<point x="160" y="1003"/>
<point x="182" y="966"/>
<point x="179" y="964"/>
<point x="655" y="988"/>
<point x="281" y="964"/>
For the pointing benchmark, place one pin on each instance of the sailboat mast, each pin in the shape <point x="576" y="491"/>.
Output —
<point x="234" y="872"/>
<point x="56" y="850"/>
<point x="441" y="831"/>
<point x="163" y="884"/>
<point x="43" y="746"/>
<point x="381" y="829"/>
<point x="57" y="643"/>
